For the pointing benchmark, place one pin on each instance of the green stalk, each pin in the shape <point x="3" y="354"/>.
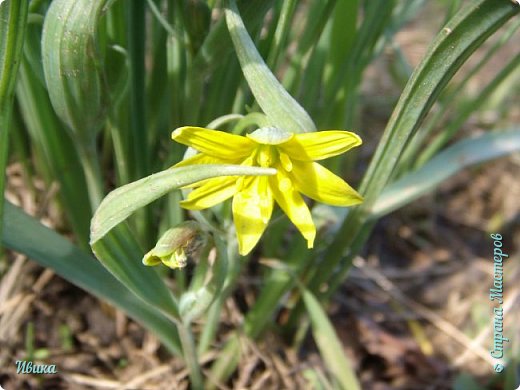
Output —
<point x="13" y="21"/>
<point x="176" y="69"/>
<point x="190" y="355"/>
<point x="282" y="32"/>
<point x="136" y="51"/>
<point x="139" y="154"/>
<point x="211" y="325"/>
<point x="90" y="162"/>
<point x="233" y="272"/>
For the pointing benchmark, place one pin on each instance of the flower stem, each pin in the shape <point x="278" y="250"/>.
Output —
<point x="190" y="355"/>
<point x="89" y="160"/>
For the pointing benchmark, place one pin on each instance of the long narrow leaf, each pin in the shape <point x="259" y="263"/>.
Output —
<point x="26" y="235"/>
<point x="122" y="202"/>
<point x="280" y="107"/>
<point x="72" y="65"/>
<point x="120" y="253"/>
<point x="447" y="163"/>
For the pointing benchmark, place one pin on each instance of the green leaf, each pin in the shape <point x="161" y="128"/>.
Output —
<point x="279" y="106"/>
<point x="119" y="252"/>
<point x="330" y="346"/>
<point x="72" y="65"/>
<point x="455" y="158"/>
<point x="122" y="202"/>
<point x="28" y="236"/>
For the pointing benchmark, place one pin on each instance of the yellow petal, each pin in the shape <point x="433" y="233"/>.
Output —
<point x="252" y="208"/>
<point x="214" y="191"/>
<point x="320" y="145"/>
<point x="214" y="143"/>
<point x="293" y="205"/>
<point x="318" y="183"/>
<point x="150" y="259"/>
<point x="201" y="158"/>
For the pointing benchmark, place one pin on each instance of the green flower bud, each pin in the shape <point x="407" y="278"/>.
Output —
<point x="176" y="245"/>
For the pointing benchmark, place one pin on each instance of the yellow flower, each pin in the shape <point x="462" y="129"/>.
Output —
<point x="292" y="155"/>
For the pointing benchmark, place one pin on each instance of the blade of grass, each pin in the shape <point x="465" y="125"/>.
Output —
<point x="225" y="364"/>
<point x="282" y="32"/>
<point x="21" y="151"/>
<point x="157" y="93"/>
<point x="13" y="20"/>
<point x="136" y="31"/>
<point x="342" y="37"/>
<point x="316" y="379"/>
<point x="223" y="90"/>
<point x="278" y="283"/>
